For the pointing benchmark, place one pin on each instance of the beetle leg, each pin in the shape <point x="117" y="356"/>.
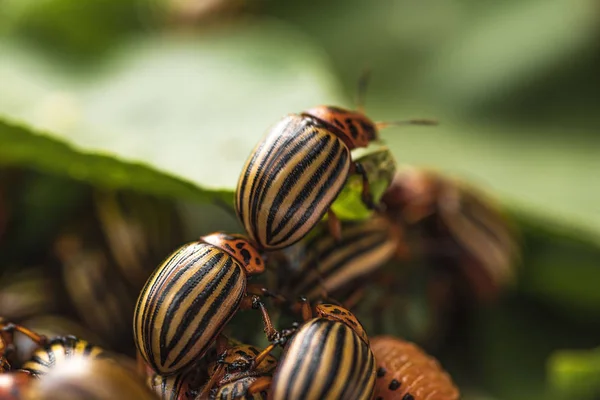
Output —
<point x="40" y="340"/>
<point x="367" y="196"/>
<point x="262" y="384"/>
<point x="215" y="377"/>
<point x="334" y="225"/>
<point x="262" y="355"/>
<point x="250" y="301"/>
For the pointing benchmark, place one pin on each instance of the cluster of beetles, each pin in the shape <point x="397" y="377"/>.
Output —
<point x="301" y="270"/>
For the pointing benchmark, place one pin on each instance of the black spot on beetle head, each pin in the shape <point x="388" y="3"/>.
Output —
<point x="240" y="245"/>
<point x="394" y="385"/>
<point x="257" y="260"/>
<point x="246" y="255"/>
<point x="408" y="396"/>
<point x="381" y="372"/>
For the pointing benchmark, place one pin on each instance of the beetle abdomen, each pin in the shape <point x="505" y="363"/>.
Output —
<point x="185" y="304"/>
<point x="325" y="360"/>
<point x="290" y="181"/>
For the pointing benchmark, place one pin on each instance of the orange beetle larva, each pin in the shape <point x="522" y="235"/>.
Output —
<point x="406" y="372"/>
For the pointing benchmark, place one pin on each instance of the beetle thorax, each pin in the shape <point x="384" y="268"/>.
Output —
<point x="352" y="127"/>
<point x="240" y="248"/>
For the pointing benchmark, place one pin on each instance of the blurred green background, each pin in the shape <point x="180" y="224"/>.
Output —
<point x="168" y="97"/>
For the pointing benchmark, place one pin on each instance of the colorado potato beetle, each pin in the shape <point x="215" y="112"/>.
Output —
<point x="60" y="350"/>
<point x="327" y="358"/>
<point x="298" y="169"/>
<point x="191" y="296"/>
<point x="330" y="265"/>
<point x="457" y="224"/>
<point x="241" y="372"/>
<point x="406" y="372"/>
<point x="89" y="378"/>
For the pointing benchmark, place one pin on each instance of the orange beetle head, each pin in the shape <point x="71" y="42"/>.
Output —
<point x="352" y="127"/>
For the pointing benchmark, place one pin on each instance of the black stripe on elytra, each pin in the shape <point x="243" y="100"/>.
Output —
<point x="358" y="248"/>
<point x="357" y="362"/>
<point x="291" y="182"/>
<point x="216" y="308"/>
<point x="333" y="153"/>
<point x="339" y="169"/>
<point x="314" y="359"/>
<point x="261" y="154"/>
<point x="467" y="212"/>
<point x="159" y="292"/>
<point x="307" y="334"/>
<point x="338" y="360"/>
<point x="266" y="158"/>
<point x="282" y="170"/>
<point x="241" y="189"/>
<point x="367" y="365"/>
<point x="153" y="286"/>
<point x="179" y="292"/>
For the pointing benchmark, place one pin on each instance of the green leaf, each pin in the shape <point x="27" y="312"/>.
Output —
<point x="189" y="106"/>
<point x="380" y="167"/>
<point x="575" y="373"/>
<point x="23" y="147"/>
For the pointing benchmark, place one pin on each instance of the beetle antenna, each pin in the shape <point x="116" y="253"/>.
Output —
<point x="361" y="91"/>
<point x="418" y="121"/>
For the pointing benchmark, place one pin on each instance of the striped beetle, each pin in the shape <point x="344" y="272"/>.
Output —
<point x="298" y="169"/>
<point x="242" y="371"/>
<point x="406" y="372"/>
<point x="191" y="296"/>
<point x="453" y="222"/>
<point x="329" y="266"/>
<point x="328" y="357"/>
<point x="58" y="351"/>
<point x="89" y="378"/>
